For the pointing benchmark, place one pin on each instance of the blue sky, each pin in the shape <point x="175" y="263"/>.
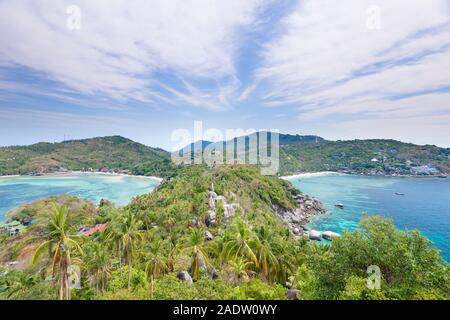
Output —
<point x="142" y="69"/>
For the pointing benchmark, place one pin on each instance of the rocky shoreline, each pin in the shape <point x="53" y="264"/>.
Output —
<point x="297" y="218"/>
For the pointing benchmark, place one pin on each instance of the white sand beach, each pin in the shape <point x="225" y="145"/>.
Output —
<point x="311" y="174"/>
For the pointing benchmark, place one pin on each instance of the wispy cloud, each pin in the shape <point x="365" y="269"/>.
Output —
<point x="317" y="59"/>
<point x="327" y="62"/>
<point x="327" y="56"/>
<point x="122" y="44"/>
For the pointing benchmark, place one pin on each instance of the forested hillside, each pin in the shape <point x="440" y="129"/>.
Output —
<point x="97" y="154"/>
<point x="221" y="233"/>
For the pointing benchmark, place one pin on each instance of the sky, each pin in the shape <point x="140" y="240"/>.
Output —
<point x="347" y="69"/>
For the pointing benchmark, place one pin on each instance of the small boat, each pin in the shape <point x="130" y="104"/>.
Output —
<point x="399" y="194"/>
<point x="339" y="205"/>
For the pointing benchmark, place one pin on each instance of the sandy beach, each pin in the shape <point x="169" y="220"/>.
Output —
<point x="311" y="174"/>
<point x="68" y="173"/>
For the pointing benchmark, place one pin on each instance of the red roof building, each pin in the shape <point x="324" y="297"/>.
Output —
<point x="99" y="227"/>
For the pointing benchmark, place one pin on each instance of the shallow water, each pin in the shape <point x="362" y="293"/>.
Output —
<point x="15" y="191"/>
<point x="425" y="205"/>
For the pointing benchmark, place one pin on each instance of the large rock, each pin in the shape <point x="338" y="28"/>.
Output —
<point x="315" y="235"/>
<point x="208" y="236"/>
<point x="291" y="294"/>
<point x="330" y="235"/>
<point x="212" y="200"/>
<point x="185" y="277"/>
<point x="195" y="223"/>
<point x="229" y="210"/>
<point x="210" y="219"/>
<point x="213" y="274"/>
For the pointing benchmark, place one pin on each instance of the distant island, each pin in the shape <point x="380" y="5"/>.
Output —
<point x="298" y="154"/>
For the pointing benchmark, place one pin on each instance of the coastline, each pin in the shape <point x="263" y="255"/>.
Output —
<point x="312" y="174"/>
<point x="68" y="173"/>
<point x="335" y="173"/>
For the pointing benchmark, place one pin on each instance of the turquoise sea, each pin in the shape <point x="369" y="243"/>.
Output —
<point x="425" y="204"/>
<point x="15" y="191"/>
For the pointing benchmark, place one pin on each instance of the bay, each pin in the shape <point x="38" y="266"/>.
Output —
<point x="423" y="203"/>
<point x="119" y="189"/>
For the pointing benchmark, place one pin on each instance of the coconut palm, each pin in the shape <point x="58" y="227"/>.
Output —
<point x="126" y="230"/>
<point x="113" y="233"/>
<point x="98" y="264"/>
<point x="61" y="245"/>
<point x="240" y="242"/>
<point x="268" y="263"/>
<point x="157" y="263"/>
<point x="199" y="252"/>
<point x="17" y="284"/>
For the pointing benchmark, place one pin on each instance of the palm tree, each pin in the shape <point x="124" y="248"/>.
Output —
<point x="268" y="263"/>
<point x="126" y="229"/>
<point x="240" y="268"/>
<point x="17" y="284"/>
<point x="98" y="264"/>
<point x="113" y="233"/>
<point x="198" y="251"/>
<point x="60" y="244"/>
<point x="240" y="242"/>
<point x="157" y="263"/>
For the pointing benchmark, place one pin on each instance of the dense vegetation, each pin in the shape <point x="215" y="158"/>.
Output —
<point x="250" y="255"/>
<point x="385" y="157"/>
<point x="373" y="157"/>
<point x="297" y="154"/>
<point x="108" y="154"/>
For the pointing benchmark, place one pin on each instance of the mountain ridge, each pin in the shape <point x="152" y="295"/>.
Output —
<point x="298" y="153"/>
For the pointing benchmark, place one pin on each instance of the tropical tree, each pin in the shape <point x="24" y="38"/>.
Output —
<point x="198" y="251"/>
<point x="126" y="230"/>
<point x="268" y="263"/>
<point x="15" y="284"/>
<point x="240" y="242"/>
<point x="157" y="263"/>
<point x="98" y="264"/>
<point x="61" y="245"/>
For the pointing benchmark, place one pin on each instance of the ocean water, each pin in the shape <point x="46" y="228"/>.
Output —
<point x="425" y="204"/>
<point x="15" y="191"/>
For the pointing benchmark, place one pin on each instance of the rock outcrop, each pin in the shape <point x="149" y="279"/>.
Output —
<point x="315" y="235"/>
<point x="330" y="235"/>
<point x="298" y="217"/>
<point x="208" y="236"/>
<point x="212" y="213"/>
<point x="185" y="277"/>
<point x="291" y="294"/>
<point x="229" y="209"/>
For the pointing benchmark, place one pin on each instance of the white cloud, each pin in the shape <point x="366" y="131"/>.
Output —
<point x="122" y="45"/>
<point x="329" y="64"/>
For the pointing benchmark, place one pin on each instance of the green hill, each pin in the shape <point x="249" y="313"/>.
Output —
<point x="297" y="154"/>
<point x="372" y="157"/>
<point x="383" y="157"/>
<point x="113" y="153"/>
